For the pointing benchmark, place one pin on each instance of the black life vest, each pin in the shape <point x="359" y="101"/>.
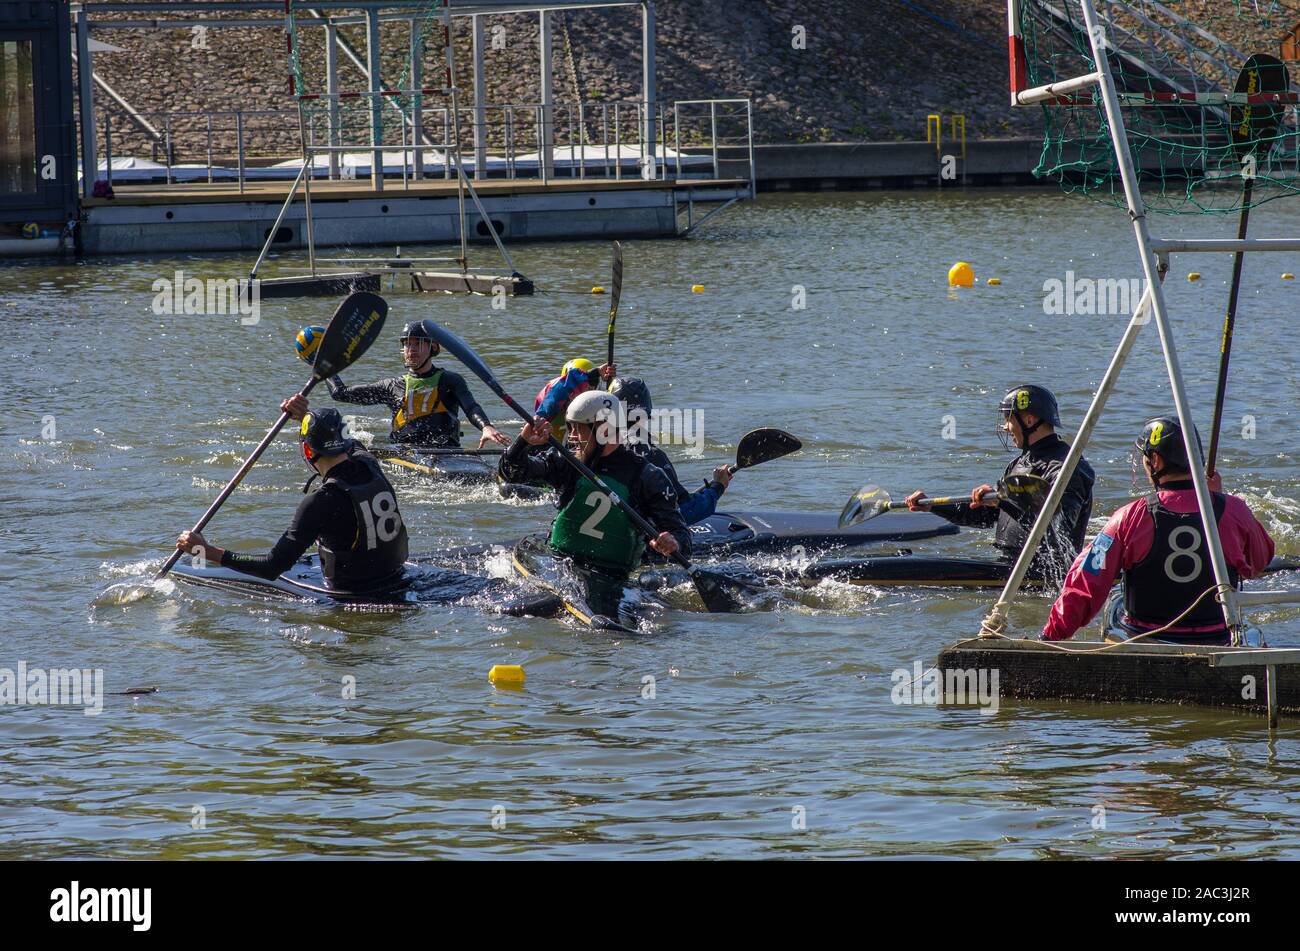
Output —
<point x="1176" y="570"/>
<point x="379" y="548"/>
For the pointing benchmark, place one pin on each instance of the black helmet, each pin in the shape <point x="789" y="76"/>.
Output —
<point x="1028" y="398"/>
<point x="632" y="391"/>
<point x="1164" y="435"/>
<point x="322" y="434"/>
<point x="419" y="330"/>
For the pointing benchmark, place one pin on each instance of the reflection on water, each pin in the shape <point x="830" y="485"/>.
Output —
<point x="295" y="729"/>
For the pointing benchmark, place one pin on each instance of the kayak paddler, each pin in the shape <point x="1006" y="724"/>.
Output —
<point x="1028" y="417"/>
<point x="694" y="506"/>
<point x="589" y="528"/>
<point x="576" y="377"/>
<point x="425" y="400"/>
<point x="352" y="516"/>
<point x="1158" y="545"/>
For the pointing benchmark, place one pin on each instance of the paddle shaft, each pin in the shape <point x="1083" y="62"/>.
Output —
<point x="233" y="484"/>
<point x="1229" y="324"/>
<point x="617" y="293"/>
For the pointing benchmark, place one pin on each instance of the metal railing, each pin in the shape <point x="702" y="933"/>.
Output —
<point x="690" y="139"/>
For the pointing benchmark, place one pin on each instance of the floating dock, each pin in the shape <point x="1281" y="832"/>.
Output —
<point x="1255" y="679"/>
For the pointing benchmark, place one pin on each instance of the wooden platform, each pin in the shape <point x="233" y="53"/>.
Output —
<point x="1093" y="671"/>
<point x="185" y="193"/>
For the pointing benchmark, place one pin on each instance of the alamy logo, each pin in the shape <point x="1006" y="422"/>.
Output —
<point x="103" y="904"/>
<point x="1086" y="295"/>
<point x="934" y="686"/>
<point x="58" y="686"/>
<point x="212" y="297"/>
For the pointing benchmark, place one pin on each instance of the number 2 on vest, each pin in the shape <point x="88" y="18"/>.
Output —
<point x="600" y="501"/>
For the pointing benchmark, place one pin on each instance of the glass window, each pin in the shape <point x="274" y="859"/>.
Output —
<point x="17" y="119"/>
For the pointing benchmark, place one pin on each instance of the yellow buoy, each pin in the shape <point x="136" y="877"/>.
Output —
<point x="697" y="288"/>
<point x="598" y="289"/>
<point x="506" y="675"/>
<point x="961" y="275"/>
<point x="994" y="281"/>
<point x="1288" y="277"/>
<point x="1194" y="276"/>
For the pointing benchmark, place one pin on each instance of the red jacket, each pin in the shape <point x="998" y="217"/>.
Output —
<point x="1127" y="539"/>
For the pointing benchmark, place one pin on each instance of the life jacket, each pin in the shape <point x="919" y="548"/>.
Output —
<point x="559" y="422"/>
<point x="380" y="547"/>
<point x="594" y="531"/>
<point x="422" y="399"/>
<point x="1176" y="571"/>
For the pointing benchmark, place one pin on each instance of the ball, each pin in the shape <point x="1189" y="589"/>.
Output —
<point x="31" y="230"/>
<point x="308" y="343"/>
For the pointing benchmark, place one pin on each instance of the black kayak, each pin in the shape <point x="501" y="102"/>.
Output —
<point x="726" y="533"/>
<point x="457" y="466"/>
<point x="419" y="584"/>
<point x="593" y="598"/>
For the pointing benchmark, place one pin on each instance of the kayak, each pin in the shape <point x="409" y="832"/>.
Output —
<point x="593" y="598"/>
<point x="904" y="568"/>
<point x="1118" y="628"/>
<point x="457" y="466"/>
<point x="420" y="584"/>
<point x="726" y="533"/>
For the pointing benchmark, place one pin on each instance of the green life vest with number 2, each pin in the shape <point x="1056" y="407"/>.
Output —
<point x="593" y="529"/>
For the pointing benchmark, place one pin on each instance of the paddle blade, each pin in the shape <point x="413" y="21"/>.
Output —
<point x="719" y="593"/>
<point x="353" y="328"/>
<point x="763" y="445"/>
<point x="868" y="502"/>
<point x="1251" y="124"/>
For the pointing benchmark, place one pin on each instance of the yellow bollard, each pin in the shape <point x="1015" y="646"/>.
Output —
<point x="506" y="675"/>
<point x="994" y="281"/>
<point x="598" y="289"/>
<point x="1288" y="277"/>
<point x="1194" y="276"/>
<point x="697" y="288"/>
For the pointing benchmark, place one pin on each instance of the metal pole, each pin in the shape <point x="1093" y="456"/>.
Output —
<point x="604" y="133"/>
<point x="108" y="150"/>
<point x="677" y="141"/>
<point x="1119" y="140"/>
<point x="239" y="145"/>
<point x="376" y="102"/>
<point x="546" y="140"/>
<point x="308" y="160"/>
<point x="332" y="91"/>
<point x="713" y="134"/>
<point x="209" y="124"/>
<point x="749" y="134"/>
<point x="85" y="70"/>
<point x="417" y="101"/>
<point x="167" y="147"/>
<point x="618" y="147"/>
<point x="270" y="238"/>
<point x="480" y="101"/>
<point x="455" y="119"/>
<point x="648" y="93"/>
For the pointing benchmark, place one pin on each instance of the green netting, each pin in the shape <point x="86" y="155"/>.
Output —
<point x="351" y="112"/>
<point x="1184" y="151"/>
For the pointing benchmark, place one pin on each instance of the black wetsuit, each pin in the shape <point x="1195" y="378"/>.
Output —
<point x="328" y="516"/>
<point x="435" y="424"/>
<point x="1012" y="521"/>
<point x="694" y="506"/>
<point x="649" y="490"/>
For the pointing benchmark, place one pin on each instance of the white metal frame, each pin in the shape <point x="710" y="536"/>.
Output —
<point x="1155" y="255"/>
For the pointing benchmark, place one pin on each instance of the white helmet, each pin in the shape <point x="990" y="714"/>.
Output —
<point x="592" y="407"/>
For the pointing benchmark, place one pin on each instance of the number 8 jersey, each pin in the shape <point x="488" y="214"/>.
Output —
<point x="379" y="546"/>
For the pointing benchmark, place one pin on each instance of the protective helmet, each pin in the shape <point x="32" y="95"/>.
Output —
<point x="322" y="434"/>
<point x="632" y="391"/>
<point x="1165" y="436"/>
<point x="586" y="366"/>
<point x="1028" y="398"/>
<point x="419" y="330"/>
<point x="308" y="342"/>
<point x="592" y="407"/>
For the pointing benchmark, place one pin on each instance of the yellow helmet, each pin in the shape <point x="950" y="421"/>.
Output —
<point x="586" y="366"/>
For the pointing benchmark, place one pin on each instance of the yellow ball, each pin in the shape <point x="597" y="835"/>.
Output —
<point x="697" y="288"/>
<point x="1288" y="277"/>
<point x="994" y="281"/>
<point x="1194" y="276"/>
<point x="31" y="230"/>
<point x="598" y="289"/>
<point x="506" y="675"/>
<point x="961" y="275"/>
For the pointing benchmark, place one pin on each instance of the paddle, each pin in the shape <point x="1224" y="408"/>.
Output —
<point x="763" y="445"/>
<point x="382" y="452"/>
<point x="871" y="500"/>
<point x="353" y="328"/>
<point x="712" y="587"/>
<point x="616" y="286"/>
<point x="1250" y="124"/>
